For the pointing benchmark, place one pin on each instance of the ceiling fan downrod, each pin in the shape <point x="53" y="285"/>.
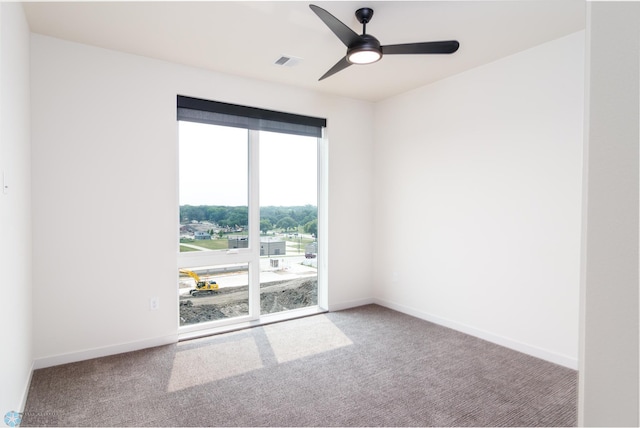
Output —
<point x="364" y="15"/>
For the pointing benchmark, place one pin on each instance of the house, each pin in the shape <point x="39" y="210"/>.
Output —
<point x="521" y="176"/>
<point x="201" y="235"/>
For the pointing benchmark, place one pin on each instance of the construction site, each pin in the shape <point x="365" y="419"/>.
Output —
<point x="210" y="294"/>
<point x="233" y="302"/>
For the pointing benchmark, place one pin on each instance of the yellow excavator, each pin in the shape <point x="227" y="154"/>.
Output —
<point x="202" y="287"/>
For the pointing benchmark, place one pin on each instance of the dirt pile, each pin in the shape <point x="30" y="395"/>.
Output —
<point x="274" y="297"/>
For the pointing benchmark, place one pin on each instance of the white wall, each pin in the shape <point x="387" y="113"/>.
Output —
<point x="105" y="176"/>
<point x="478" y="200"/>
<point x="609" y="311"/>
<point x="15" y="209"/>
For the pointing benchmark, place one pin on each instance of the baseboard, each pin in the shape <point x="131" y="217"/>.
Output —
<point x="88" y="354"/>
<point x="340" y="306"/>
<point x="25" y="390"/>
<point x="543" y="354"/>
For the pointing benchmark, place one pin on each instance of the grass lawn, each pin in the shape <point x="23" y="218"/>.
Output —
<point x="210" y="244"/>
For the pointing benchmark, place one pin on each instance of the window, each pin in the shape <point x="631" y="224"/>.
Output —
<point x="248" y="238"/>
<point x="213" y="187"/>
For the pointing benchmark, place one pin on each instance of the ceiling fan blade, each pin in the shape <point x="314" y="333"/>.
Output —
<point x="344" y="33"/>
<point x="340" y="65"/>
<point x="444" y="47"/>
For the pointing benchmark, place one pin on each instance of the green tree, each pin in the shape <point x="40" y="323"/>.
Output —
<point x="216" y="214"/>
<point x="286" y="223"/>
<point x="312" y="227"/>
<point x="265" y="225"/>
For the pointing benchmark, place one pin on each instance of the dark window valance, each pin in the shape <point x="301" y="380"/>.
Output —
<point x="237" y="116"/>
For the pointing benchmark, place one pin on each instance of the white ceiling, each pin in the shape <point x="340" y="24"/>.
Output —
<point x="245" y="38"/>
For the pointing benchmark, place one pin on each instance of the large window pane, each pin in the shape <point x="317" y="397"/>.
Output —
<point x="213" y="187"/>
<point x="288" y="222"/>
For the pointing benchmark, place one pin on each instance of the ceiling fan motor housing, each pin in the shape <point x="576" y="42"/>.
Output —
<point x="367" y="45"/>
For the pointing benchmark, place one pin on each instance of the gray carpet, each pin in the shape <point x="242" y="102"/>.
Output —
<point x="368" y="366"/>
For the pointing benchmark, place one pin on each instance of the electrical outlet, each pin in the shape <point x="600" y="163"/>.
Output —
<point x="154" y="304"/>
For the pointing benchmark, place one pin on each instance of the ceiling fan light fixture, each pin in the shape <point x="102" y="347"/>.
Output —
<point x="364" y="56"/>
<point x="367" y="50"/>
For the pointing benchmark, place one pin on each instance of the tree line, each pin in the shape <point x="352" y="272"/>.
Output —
<point x="285" y="218"/>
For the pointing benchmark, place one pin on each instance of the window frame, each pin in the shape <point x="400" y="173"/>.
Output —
<point x="217" y="113"/>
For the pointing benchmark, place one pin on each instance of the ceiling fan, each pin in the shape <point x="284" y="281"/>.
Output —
<point x="366" y="49"/>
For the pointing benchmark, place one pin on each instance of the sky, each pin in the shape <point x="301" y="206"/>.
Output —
<point x="214" y="167"/>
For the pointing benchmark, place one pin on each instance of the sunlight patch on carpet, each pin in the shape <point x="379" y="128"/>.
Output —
<point x="305" y="337"/>
<point x="198" y="366"/>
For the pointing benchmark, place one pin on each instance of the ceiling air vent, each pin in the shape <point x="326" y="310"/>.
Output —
<point x="288" y="60"/>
